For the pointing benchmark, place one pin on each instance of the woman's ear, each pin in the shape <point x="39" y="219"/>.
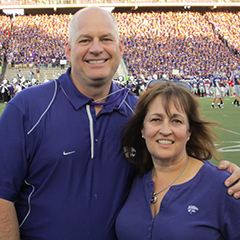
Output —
<point x="189" y="135"/>
<point x="142" y="133"/>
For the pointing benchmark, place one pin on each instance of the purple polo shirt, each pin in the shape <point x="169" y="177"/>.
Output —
<point x="61" y="164"/>
<point x="199" y="209"/>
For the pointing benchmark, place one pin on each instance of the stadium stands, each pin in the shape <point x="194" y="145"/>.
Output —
<point x="160" y="42"/>
<point x="193" y="43"/>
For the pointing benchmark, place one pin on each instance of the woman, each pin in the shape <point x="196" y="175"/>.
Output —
<point x="178" y="194"/>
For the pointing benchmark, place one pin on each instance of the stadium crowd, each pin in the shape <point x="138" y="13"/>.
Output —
<point x="34" y="40"/>
<point x="159" y="42"/>
<point x="176" y="44"/>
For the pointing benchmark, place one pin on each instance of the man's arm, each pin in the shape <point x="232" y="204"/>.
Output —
<point x="235" y="170"/>
<point x="8" y="221"/>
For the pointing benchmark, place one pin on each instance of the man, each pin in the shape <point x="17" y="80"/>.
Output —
<point x="201" y="88"/>
<point x="216" y="89"/>
<point x="195" y="87"/>
<point x="207" y="87"/>
<point x="17" y="88"/>
<point x="230" y="83"/>
<point x="223" y="84"/>
<point x="236" y="79"/>
<point x="63" y="167"/>
<point x="19" y="75"/>
<point x="4" y="91"/>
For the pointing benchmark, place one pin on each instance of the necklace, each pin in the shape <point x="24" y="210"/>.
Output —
<point x="154" y="195"/>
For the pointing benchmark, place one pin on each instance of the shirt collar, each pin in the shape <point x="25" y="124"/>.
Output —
<point x="71" y="92"/>
<point x="79" y="100"/>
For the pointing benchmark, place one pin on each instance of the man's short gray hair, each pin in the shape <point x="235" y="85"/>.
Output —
<point x="73" y="22"/>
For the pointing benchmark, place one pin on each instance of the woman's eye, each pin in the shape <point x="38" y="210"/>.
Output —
<point x="177" y="121"/>
<point x="155" y="120"/>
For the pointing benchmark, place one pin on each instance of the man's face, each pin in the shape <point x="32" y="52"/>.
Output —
<point x="95" y="49"/>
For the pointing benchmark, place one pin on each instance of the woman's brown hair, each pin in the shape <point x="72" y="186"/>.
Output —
<point x="201" y="144"/>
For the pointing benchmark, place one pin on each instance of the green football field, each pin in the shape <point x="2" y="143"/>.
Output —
<point x="2" y="105"/>
<point x="229" y="118"/>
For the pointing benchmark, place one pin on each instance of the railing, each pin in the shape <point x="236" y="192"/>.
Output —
<point x="14" y="3"/>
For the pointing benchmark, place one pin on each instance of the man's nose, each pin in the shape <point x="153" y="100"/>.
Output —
<point x="96" y="47"/>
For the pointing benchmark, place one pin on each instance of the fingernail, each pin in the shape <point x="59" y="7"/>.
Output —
<point x="230" y="192"/>
<point x="227" y="183"/>
<point x="237" y="195"/>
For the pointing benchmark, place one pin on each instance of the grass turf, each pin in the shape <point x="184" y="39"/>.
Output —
<point x="229" y="118"/>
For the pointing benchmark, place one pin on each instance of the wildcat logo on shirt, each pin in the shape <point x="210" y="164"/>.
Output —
<point x="192" y="209"/>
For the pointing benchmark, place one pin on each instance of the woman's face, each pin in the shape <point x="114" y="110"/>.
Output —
<point x="166" y="136"/>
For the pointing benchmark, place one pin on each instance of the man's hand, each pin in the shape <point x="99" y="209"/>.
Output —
<point x="235" y="170"/>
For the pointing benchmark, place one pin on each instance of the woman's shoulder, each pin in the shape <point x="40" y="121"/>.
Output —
<point x="212" y="175"/>
<point x="214" y="169"/>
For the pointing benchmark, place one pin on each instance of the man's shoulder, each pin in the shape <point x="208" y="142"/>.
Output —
<point x="41" y="89"/>
<point x="132" y="98"/>
<point x="35" y="95"/>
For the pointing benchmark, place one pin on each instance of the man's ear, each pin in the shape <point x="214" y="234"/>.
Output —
<point x="121" y="47"/>
<point x="68" y="51"/>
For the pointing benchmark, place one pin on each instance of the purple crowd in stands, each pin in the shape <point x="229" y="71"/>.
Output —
<point x="160" y="42"/>
<point x="155" y="42"/>
<point x="34" y="40"/>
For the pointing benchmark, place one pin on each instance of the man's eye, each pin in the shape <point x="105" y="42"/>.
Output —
<point x="84" y="41"/>
<point x="107" y="40"/>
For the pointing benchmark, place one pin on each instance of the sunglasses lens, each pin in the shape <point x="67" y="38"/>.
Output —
<point x="189" y="87"/>
<point x="183" y="84"/>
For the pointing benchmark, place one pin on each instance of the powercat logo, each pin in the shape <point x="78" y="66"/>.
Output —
<point x="192" y="209"/>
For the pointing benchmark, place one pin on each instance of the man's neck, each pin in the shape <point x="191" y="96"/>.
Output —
<point x="93" y="91"/>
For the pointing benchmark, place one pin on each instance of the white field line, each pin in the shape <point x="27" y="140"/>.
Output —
<point x="235" y="144"/>
<point x="226" y="130"/>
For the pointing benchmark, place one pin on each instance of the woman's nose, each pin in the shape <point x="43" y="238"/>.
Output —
<point x="165" y="128"/>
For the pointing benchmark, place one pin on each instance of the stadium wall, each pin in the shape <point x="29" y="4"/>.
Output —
<point x="71" y="6"/>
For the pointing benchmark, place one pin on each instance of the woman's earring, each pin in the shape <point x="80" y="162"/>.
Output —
<point x="142" y="136"/>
